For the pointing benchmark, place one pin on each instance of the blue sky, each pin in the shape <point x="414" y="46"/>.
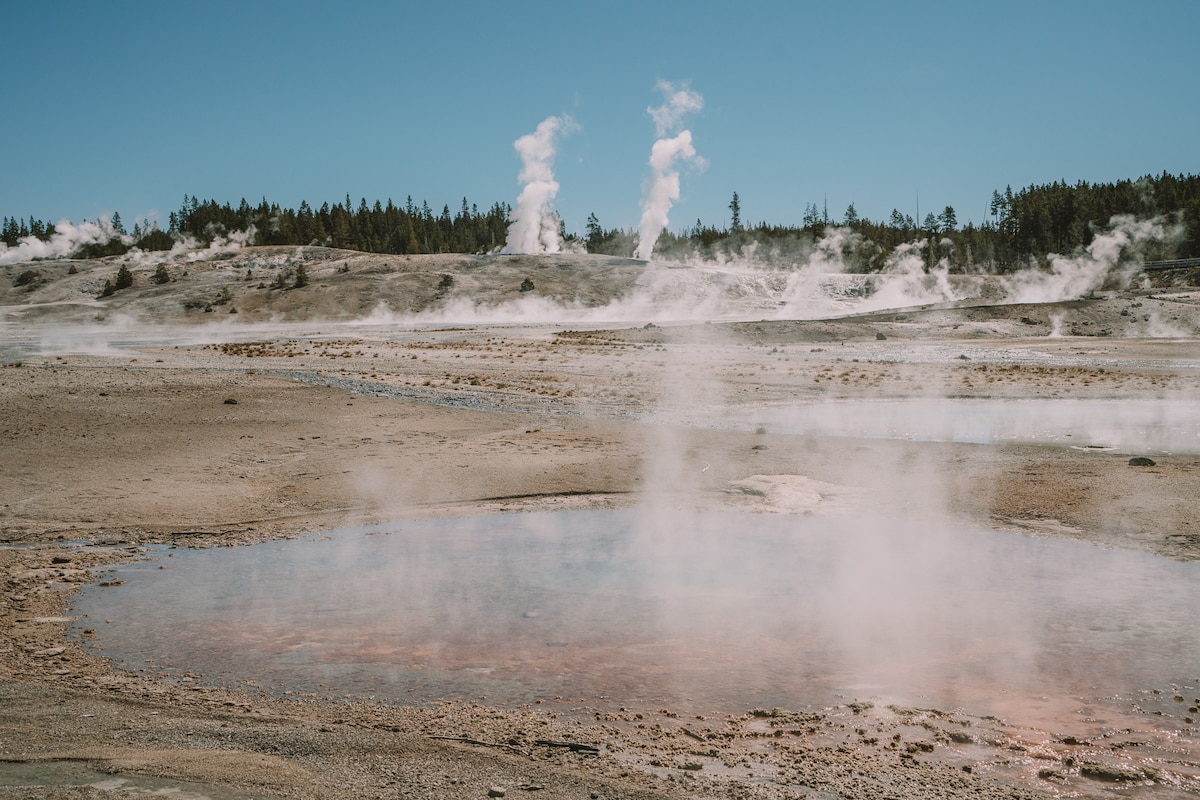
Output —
<point x="127" y="106"/>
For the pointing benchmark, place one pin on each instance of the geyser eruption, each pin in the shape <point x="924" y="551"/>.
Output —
<point x="665" y="158"/>
<point x="664" y="189"/>
<point x="535" y="226"/>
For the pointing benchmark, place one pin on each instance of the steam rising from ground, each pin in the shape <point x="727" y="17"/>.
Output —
<point x="1111" y="257"/>
<point x="190" y="249"/>
<point x="666" y="157"/>
<point x="535" y="226"/>
<point x="66" y="240"/>
<point x="817" y="280"/>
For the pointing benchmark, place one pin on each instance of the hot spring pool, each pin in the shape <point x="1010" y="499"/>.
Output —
<point x="714" y="612"/>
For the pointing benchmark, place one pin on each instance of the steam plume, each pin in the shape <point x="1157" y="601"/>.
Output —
<point x="66" y="240"/>
<point x="1072" y="277"/>
<point x="665" y="157"/>
<point x="535" y="226"/>
<point x="680" y="102"/>
<point x="188" y="248"/>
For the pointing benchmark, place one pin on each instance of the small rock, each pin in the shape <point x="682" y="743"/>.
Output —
<point x="50" y="652"/>
<point x="496" y="791"/>
<point x="1111" y="773"/>
<point x="229" y="401"/>
<point x="880" y="337"/>
<point x="1141" y="461"/>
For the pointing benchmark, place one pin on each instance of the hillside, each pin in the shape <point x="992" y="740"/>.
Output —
<point x="260" y="285"/>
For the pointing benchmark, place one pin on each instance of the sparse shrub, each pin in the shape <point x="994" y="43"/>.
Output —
<point x="124" y="278"/>
<point x="527" y="285"/>
<point x="445" y="283"/>
<point x="26" y="278"/>
<point x="301" y="277"/>
<point x="161" y="275"/>
<point x="74" y="270"/>
<point x="282" y="279"/>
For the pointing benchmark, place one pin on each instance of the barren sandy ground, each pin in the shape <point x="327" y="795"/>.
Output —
<point x="335" y="424"/>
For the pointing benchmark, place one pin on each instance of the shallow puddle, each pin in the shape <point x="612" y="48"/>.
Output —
<point x="717" y="612"/>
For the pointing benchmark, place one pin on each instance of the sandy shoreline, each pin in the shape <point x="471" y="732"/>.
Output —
<point x="106" y="453"/>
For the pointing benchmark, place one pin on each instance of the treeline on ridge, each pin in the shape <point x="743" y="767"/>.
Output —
<point x="1022" y="227"/>
<point x="372" y="229"/>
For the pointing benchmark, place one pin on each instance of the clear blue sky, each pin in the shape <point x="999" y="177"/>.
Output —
<point x="127" y="106"/>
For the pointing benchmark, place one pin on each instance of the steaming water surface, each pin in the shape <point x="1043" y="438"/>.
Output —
<point x="717" y="612"/>
<point x="1130" y="426"/>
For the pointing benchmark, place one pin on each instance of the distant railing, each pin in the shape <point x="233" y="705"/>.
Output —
<point x="1175" y="263"/>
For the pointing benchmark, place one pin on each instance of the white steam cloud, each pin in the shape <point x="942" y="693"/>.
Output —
<point x="535" y="226"/>
<point x="680" y="101"/>
<point x="190" y="249"/>
<point x="1073" y="277"/>
<point x="66" y="240"/>
<point x="818" y="280"/>
<point x="665" y="159"/>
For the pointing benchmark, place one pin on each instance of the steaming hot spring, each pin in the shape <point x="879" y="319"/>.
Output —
<point x="597" y="486"/>
<point x="707" y="613"/>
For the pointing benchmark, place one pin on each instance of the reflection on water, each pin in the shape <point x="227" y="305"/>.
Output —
<point x="713" y="612"/>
